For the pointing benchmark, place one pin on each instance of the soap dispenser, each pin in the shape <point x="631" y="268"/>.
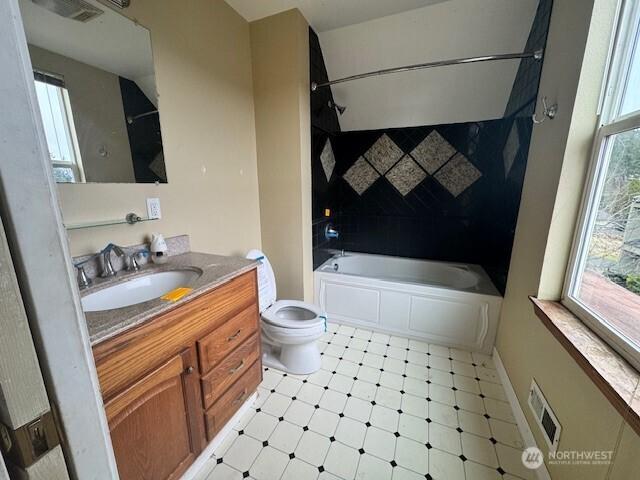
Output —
<point x="158" y="249"/>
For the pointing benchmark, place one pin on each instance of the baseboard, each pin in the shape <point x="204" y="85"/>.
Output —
<point x="215" y="443"/>
<point x="523" y="426"/>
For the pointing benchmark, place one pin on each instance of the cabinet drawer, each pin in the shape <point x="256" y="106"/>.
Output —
<point x="218" y="344"/>
<point x="229" y="370"/>
<point x="229" y="403"/>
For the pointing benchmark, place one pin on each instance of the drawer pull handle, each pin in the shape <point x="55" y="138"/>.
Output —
<point x="234" y="370"/>
<point x="234" y="336"/>
<point x="240" y="398"/>
<point x="189" y="369"/>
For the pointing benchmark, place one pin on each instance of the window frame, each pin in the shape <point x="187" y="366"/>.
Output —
<point x="627" y="37"/>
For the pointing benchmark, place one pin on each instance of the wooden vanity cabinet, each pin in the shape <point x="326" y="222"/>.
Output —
<point x="172" y="383"/>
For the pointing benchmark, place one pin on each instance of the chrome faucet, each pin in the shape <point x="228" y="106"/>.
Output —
<point x="132" y="263"/>
<point x="107" y="267"/>
<point x="83" y="280"/>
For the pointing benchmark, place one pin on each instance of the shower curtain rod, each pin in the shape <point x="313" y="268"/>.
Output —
<point x="537" y="54"/>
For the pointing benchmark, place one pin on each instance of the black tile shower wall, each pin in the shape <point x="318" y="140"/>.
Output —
<point x="455" y="199"/>
<point x="324" y="122"/>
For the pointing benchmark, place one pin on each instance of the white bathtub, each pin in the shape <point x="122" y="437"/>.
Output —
<point x="446" y="303"/>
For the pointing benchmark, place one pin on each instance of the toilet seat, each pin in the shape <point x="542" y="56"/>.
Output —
<point x="294" y="314"/>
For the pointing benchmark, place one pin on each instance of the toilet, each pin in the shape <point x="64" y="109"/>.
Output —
<point x="290" y="328"/>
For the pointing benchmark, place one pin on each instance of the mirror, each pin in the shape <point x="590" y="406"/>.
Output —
<point x="95" y="84"/>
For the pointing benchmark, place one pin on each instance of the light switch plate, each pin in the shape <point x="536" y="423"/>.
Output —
<point x="153" y="208"/>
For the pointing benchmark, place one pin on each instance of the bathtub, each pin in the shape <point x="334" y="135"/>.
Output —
<point x="450" y="304"/>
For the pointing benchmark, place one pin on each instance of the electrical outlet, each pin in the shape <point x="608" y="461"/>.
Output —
<point x="153" y="208"/>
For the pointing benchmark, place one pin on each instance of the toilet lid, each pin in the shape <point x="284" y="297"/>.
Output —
<point x="266" y="280"/>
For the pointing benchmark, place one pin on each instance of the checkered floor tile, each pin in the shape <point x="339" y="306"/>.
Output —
<point x="381" y="407"/>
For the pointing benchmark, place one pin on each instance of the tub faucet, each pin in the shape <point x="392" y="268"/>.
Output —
<point x="107" y="267"/>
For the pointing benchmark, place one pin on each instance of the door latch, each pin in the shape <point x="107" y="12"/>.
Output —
<point x="26" y="444"/>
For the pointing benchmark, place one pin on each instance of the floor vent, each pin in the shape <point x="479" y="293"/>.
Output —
<point x="545" y="418"/>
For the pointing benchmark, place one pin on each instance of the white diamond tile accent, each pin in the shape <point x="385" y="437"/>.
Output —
<point x="384" y="154"/>
<point x="386" y="426"/>
<point x="433" y="152"/>
<point x="361" y="176"/>
<point x="405" y="175"/>
<point x="328" y="160"/>
<point x="458" y="175"/>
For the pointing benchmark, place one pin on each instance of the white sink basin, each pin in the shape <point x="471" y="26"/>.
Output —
<point x="138" y="290"/>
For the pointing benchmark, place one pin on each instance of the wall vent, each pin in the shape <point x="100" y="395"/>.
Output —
<point x="120" y="3"/>
<point x="73" y="9"/>
<point x="545" y="418"/>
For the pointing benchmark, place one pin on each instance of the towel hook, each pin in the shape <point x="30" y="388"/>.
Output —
<point x="547" y="112"/>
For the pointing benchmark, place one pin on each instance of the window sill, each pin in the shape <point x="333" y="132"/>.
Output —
<point x="613" y="375"/>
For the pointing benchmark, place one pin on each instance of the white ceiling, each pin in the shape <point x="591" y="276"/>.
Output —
<point x="325" y="15"/>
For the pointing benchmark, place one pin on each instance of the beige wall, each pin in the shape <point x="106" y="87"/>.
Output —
<point x="280" y="53"/>
<point x="202" y="62"/>
<point x="98" y="115"/>
<point x="556" y="167"/>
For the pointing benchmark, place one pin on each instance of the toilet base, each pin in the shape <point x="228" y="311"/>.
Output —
<point x="301" y="359"/>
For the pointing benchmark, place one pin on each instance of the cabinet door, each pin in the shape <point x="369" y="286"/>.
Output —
<point x="151" y="422"/>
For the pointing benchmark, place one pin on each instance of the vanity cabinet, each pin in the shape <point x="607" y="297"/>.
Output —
<point x="172" y="383"/>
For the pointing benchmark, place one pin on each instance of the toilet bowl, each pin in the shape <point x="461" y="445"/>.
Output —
<point x="290" y="328"/>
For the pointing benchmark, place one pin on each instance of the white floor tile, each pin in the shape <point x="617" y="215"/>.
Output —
<point x="377" y="348"/>
<point x="276" y="404"/>
<point x="414" y="386"/>
<point x="299" y="413"/>
<point x="444" y="438"/>
<point x="444" y="465"/>
<point x="401" y="473"/>
<point x="312" y="448"/>
<point x="507" y="433"/>
<point x="511" y="461"/>
<point x="416" y="406"/>
<point x="479" y="449"/>
<point x="388" y="398"/>
<point x="342" y="460"/>
<point x="470" y="402"/>
<point x="261" y="426"/>
<point x="310" y="393"/>
<point x="324" y="422"/>
<point x="394" y="365"/>
<point x="333" y="401"/>
<point x="224" y="472"/>
<point x="299" y="470"/>
<point x="392" y="410"/>
<point x="474" y="423"/>
<point x="444" y="414"/>
<point x="332" y="327"/>
<point x="412" y="455"/>
<point x="414" y="428"/>
<point x="476" y="471"/>
<point x="321" y="377"/>
<point x="350" y="432"/>
<point x="384" y="418"/>
<point x="380" y="443"/>
<point x="391" y="380"/>
<point x="242" y="453"/>
<point x="286" y="436"/>
<point x="499" y="410"/>
<point x="358" y="409"/>
<point x="442" y="394"/>
<point x="341" y="383"/>
<point x="372" y="468"/>
<point x="270" y="464"/>
<point x="363" y="390"/>
<point x="369" y="374"/>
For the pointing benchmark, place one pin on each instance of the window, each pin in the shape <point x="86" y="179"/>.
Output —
<point x="603" y="280"/>
<point x="57" y="119"/>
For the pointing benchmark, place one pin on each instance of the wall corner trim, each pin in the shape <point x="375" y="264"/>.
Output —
<point x="523" y="426"/>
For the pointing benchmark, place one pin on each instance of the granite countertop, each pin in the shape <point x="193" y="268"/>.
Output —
<point x="216" y="269"/>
